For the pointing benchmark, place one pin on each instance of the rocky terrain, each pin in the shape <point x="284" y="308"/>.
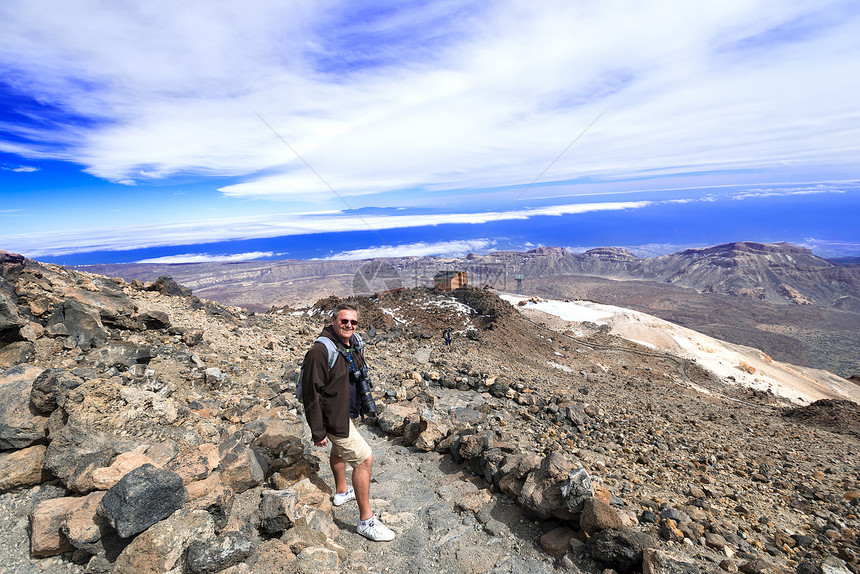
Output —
<point x="143" y="429"/>
<point x="779" y="298"/>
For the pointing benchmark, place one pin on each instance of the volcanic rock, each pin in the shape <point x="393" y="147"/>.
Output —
<point x="20" y="427"/>
<point x="25" y="467"/>
<point x="143" y="497"/>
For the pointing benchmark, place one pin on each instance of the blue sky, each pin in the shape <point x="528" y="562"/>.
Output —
<point x="218" y="130"/>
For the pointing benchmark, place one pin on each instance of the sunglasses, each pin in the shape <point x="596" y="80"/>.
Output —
<point x="352" y="322"/>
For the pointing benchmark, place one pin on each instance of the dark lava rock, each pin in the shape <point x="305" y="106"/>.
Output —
<point x="51" y="388"/>
<point x="168" y="286"/>
<point x="141" y="498"/>
<point x="155" y="319"/>
<point x="10" y="320"/>
<point x="620" y="549"/>
<point x="19" y="426"/>
<point x="219" y="553"/>
<point x="82" y="324"/>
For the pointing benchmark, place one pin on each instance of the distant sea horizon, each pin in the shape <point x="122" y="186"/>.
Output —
<point x="822" y="222"/>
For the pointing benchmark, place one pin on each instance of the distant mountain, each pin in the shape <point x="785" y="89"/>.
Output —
<point x="775" y="272"/>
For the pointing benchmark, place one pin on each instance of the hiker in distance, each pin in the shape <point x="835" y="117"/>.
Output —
<point x="336" y="390"/>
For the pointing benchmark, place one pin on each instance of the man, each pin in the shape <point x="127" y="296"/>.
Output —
<point x="330" y="404"/>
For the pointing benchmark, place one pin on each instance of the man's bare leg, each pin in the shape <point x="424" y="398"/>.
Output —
<point x="361" y="486"/>
<point x="338" y="469"/>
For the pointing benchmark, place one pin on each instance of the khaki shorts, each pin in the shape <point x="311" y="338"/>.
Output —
<point x="353" y="449"/>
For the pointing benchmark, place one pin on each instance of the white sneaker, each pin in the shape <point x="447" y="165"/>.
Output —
<point x="343" y="497"/>
<point x="375" y="530"/>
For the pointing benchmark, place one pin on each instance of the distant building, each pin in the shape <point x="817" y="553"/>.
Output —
<point x="449" y="280"/>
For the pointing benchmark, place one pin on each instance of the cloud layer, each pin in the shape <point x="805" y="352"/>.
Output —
<point x="438" y="97"/>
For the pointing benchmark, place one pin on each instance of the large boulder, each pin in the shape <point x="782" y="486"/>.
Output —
<point x="283" y="509"/>
<point x="106" y="477"/>
<point x="77" y="450"/>
<point x="163" y="546"/>
<point x="598" y="515"/>
<point x="196" y="463"/>
<point x="143" y="497"/>
<point x="81" y="323"/>
<point x="168" y="286"/>
<point x="541" y="493"/>
<point x="113" y="306"/>
<point x="102" y="414"/>
<point x="46" y="519"/>
<point x="86" y="530"/>
<point x="20" y="426"/>
<point x="392" y="419"/>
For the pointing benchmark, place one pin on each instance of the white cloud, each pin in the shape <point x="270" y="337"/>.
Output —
<point x="272" y="225"/>
<point x="206" y="258"/>
<point x="491" y="97"/>
<point x="22" y="169"/>
<point x="759" y="193"/>
<point x="419" y="249"/>
<point x="831" y="248"/>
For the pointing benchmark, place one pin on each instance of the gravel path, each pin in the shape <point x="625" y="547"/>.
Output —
<point x="416" y="495"/>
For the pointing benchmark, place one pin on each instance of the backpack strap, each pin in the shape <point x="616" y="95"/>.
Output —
<point x="332" y="351"/>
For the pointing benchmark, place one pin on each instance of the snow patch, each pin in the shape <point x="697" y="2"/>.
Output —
<point x="733" y="364"/>
<point x="564" y="368"/>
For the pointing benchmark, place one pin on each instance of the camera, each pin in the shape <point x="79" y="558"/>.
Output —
<point x="363" y="386"/>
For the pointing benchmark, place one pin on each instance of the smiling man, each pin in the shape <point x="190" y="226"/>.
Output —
<point x="331" y="401"/>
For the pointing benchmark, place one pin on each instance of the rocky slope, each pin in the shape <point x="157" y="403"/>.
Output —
<point x="779" y="298"/>
<point x="145" y="430"/>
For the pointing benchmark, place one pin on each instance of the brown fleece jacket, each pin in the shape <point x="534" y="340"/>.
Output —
<point x="325" y="394"/>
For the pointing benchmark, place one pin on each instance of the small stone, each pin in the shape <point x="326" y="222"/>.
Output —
<point x="557" y="541"/>
<point x="656" y="561"/>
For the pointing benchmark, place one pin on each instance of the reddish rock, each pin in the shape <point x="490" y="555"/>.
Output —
<point x="597" y="515"/>
<point x="273" y="557"/>
<point x="83" y="527"/>
<point x="46" y="519"/>
<point x="106" y="477"/>
<point x="25" y="467"/>
<point x="240" y="469"/>
<point x="277" y="432"/>
<point x="392" y="420"/>
<point x="201" y="487"/>
<point x="195" y="464"/>
<point x="161" y="547"/>
<point x="557" y="541"/>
